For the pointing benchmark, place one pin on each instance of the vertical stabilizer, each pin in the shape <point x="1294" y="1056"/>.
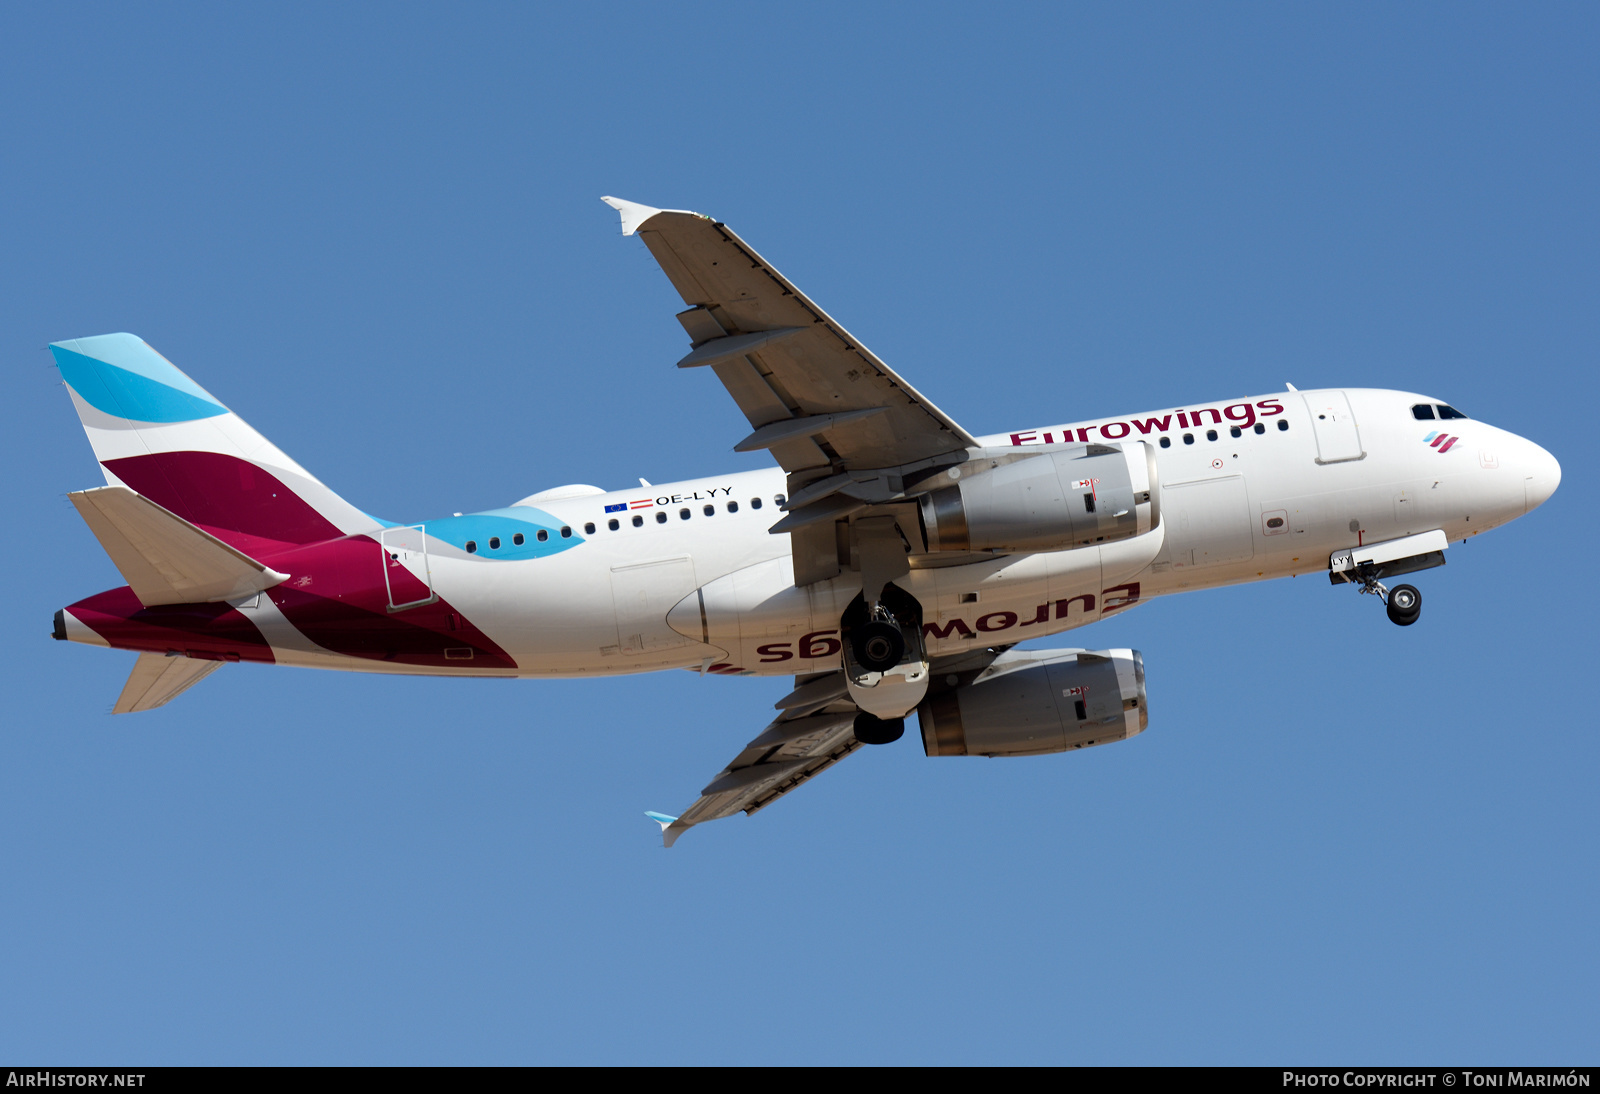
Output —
<point x="165" y="437"/>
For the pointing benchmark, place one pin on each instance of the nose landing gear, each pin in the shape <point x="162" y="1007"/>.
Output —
<point x="1404" y="605"/>
<point x="1364" y="565"/>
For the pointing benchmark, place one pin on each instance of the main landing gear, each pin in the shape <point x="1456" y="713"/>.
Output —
<point x="885" y="660"/>
<point x="873" y="730"/>
<point x="885" y="663"/>
<point x="879" y="644"/>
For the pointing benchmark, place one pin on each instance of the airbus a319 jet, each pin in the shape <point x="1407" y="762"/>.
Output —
<point x="890" y="561"/>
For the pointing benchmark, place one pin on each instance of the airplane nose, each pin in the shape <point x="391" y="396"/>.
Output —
<point x="1543" y="475"/>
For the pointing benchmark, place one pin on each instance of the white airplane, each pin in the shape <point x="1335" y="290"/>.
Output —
<point x="889" y="563"/>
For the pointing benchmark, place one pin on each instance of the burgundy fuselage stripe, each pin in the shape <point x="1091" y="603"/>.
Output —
<point x="225" y="495"/>
<point x="216" y="629"/>
<point x="336" y="597"/>
<point x="336" y="594"/>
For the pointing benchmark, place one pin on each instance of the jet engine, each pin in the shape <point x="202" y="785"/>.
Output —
<point x="1070" y="496"/>
<point x="1029" y="702"/>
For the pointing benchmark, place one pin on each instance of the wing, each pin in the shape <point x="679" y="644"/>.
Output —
<point x="814" y="732"/>
<point x="845" y="427"/>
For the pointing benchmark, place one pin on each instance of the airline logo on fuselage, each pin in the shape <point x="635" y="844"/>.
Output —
<point x="1243" y="415"/>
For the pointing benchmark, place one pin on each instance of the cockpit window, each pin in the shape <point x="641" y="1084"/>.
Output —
<point x="1448" y="412"/>
<point x="1422" y="412"/>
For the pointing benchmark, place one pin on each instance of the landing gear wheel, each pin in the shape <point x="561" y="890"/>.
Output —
<point x="1405" y="605"/>
<point x="878" y="645"/>
<point x="872" y="730"/>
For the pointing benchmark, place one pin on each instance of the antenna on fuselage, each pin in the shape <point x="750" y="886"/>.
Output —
<point x="1291" y="387"/>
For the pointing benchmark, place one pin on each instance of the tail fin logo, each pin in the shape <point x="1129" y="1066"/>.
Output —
<point x="119" y="375"/>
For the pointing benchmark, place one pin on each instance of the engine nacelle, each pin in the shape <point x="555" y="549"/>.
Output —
<point x="1029" y="702"/>
<point x="1067" y="497"/>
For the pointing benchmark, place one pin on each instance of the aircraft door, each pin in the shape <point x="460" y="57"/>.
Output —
<point x="406" y="576"/>
<point x="1338" y="438"/>
<point x="644" y="592"/>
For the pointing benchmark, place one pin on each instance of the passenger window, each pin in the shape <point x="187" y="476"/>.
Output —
<point x="612" y="524"/>
<point x="1211" y="434"/>
<point x="683" y="514"/>
<point x="1260" y="428"/>
<point x="1422" y="412"/>
<point x="542" y="536"/>
<point x="1283" y="426"/>
<point x="778" y="500"/>
<point x="494" y="543"/>
<point x="638" y="521"/>
<point x="661" y="516"/>
<point x="1166" y="442"/>
<point x="1188" y="438"/>
<point x="733" y="507"/>
<point x="709" y="510"/>
<point x="566" y="533"/>
<point x="755" y="503"/>
<point x="516" y="540"/>
<point x="472" y="546"/>
<point x="1234" y="431"/>
<point x="1448" y="412"/>
<point x="588" y="529"/>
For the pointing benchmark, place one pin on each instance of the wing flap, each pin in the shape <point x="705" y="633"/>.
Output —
<point x="164" y="558"/>
<point x="157" y="679"/>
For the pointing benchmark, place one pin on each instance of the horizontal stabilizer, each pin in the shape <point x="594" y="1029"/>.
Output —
<point x="157" y="679"/>
<point x="164" y="558"/>
<point x="665" y="822"/>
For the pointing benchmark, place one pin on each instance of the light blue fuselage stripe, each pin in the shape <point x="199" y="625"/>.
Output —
<point x="502" y="526"/>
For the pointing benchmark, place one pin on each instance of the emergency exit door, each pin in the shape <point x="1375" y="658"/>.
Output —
<point x="1338" y="438"/>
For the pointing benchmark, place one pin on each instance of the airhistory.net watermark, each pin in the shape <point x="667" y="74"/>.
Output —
<point x="36" y="1077"/>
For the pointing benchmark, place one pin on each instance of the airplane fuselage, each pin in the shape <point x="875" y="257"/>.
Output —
<point x="687" y="575"/>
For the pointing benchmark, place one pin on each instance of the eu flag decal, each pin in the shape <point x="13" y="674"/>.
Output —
<point x="621" y="508"/>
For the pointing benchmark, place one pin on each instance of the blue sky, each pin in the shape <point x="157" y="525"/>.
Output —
<point x="375" y="233"/>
